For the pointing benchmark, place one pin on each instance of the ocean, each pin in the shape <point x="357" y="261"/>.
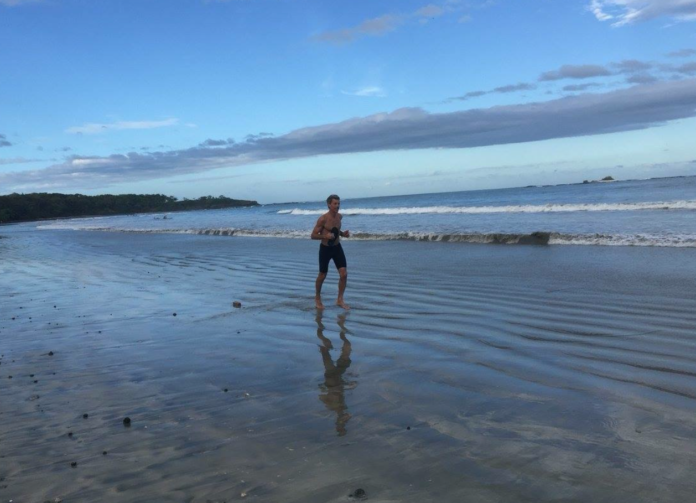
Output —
<point x="655" y="212"/>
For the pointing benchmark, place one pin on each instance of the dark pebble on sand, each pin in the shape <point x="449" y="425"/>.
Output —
<point x="31" y="375"/>
<point x="408" y="427"/>
<point x="104" y="453"/>
<point x="50" y="353"/>
<point x="359" y="493"/>
<point x="85" y="416"/>
<point x="35" y="382"/>
<point x="226" y="390"/>
<point x="174" y="314"/>
<point x="126" y="421"/>
<point x="236" y="303"/>
<point x="70" y="433"/>
<point x="9" y="377"/>
<point x="73" y="464"/>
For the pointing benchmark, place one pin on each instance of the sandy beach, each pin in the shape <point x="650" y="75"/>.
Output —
<point x="464" y="372"/>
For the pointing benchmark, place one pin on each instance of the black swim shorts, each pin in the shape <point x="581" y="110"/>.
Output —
<point x="327" y="253"/>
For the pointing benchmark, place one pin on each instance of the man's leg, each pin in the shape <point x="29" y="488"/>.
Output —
<point x="342" y="282"/>
<point x="324" y="258"/>
<point x="342" y="266"/>
<point x="318" y="284"/>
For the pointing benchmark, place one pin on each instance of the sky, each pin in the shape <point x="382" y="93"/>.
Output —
<point x="291" y="100"/>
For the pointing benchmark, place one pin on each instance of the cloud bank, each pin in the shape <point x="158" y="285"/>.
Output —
<point x="575" y="72"/>
<point x="4" y="142"/>
<point x="629" y="109"/>
<point x="510" y="88"/>
<point x="119" y="126"/>
<point x="379" y="25"/>
<point x="682" y="53"/>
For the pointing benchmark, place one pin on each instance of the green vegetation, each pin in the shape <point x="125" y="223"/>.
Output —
<point x="27" y="207"/>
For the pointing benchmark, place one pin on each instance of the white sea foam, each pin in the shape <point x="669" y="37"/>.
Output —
<point x="547" y="208"/>
<point x="552" y="238"/>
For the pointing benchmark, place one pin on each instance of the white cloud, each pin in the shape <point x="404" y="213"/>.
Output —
<point x="370" y="91"/>
<point x="622" y="12"/>
<point x="93" y="128"/>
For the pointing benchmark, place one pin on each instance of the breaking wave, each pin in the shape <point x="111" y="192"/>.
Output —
<point x="546" y="208"/>
<point x="534" y="238"/>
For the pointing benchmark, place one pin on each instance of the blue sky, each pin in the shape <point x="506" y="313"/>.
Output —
<point x="279" y="100"/>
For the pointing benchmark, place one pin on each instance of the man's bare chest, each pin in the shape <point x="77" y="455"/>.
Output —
<point x="330" y="223"/>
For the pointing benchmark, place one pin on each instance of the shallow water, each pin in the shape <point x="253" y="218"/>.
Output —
<point x="463" y="373"/>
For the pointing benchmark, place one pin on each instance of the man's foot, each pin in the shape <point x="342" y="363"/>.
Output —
<point x="318" y="303"/>
<point x="342" y="304"/>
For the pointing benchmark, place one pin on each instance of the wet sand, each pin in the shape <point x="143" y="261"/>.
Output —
<point x="474" y="373"/>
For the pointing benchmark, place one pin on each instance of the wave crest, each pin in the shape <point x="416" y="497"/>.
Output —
<point x="547" y="208"/>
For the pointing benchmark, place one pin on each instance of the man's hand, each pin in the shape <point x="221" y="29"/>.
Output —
<point x="345" y="234"/>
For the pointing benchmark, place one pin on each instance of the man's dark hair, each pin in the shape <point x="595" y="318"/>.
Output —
<point x="331" y="198"/>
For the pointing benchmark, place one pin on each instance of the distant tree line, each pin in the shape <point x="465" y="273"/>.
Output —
<point x="27" y="207"/>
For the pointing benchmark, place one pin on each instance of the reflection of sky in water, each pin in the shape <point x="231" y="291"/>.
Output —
<point x="519" y="383"/>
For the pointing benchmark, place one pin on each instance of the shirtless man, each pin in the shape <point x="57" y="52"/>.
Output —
<point x="328" y="230"/>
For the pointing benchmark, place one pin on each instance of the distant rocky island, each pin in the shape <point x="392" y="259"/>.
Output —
<point x="42" y="206"/>
<point x="603" y="180"/>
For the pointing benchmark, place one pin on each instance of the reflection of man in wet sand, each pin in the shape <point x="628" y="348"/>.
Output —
<point x="328" y="229"/>
<point x="334" y="386"/>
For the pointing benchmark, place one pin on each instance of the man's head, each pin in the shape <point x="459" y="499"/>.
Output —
<point x="333" y="202"/>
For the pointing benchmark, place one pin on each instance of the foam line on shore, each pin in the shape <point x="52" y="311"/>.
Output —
<point x="533" y="238"/>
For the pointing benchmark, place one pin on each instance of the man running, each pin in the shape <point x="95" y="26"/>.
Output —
<point x="328" y="230"/>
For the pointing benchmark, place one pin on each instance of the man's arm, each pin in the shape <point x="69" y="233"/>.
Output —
<point x="318" y="231"/>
